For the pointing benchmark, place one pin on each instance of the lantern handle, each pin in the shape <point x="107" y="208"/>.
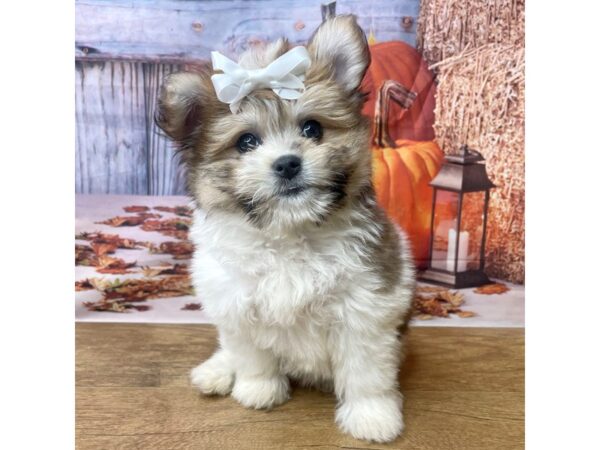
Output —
<point x="389" y="90"/>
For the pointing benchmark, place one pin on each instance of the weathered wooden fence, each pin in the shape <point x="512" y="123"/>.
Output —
<point x="124" y="49"/>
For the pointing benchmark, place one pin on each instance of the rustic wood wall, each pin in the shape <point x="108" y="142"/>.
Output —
<point x="123" y="50"/>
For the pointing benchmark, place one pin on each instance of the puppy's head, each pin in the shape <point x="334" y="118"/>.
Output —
<point x="279" y="163"/>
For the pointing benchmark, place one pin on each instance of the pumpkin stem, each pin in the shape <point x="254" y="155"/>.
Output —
<point x="389" y="90"/>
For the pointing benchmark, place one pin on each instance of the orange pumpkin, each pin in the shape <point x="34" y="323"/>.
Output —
<point x="399" y="61"/>
<point x="401" y="177"/>
<point x="402" y="170"/>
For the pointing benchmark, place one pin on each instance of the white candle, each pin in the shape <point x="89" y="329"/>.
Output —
<point x="463" y="250"/>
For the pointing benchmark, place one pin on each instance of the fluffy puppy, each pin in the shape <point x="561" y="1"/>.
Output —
<point x="301" y="271"/>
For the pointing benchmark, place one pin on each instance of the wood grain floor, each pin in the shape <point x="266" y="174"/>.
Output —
<point x="463" y="389"/>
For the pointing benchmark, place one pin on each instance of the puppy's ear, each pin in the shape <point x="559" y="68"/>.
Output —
<point x="184" y="98"/>
<point x="340" y="43"/>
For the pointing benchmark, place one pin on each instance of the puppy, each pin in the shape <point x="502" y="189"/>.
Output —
<point x="303" y="274"/>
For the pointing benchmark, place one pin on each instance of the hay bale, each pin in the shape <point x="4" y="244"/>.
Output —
<point x="448" y="27"/>
<point x="480" y="102"/>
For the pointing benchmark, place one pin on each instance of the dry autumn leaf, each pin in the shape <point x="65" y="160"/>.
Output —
<point x="465" y="314"/>
<point x="114" y="239"/>
<point x="178" y="210"/>
<point x="165" y="269"/>
<point x="110" y="265"/>
<point x="105" y="306"/>
<point x="430" y="289"/>
<point x="430" y="305"/>
<point x="178" y="249"/>
<point x="440" y="303"/>
<point x="132" y="290"/>
<point x="423" y="317"/>
<point x="101" y="248"/>
<point x="178" y="227"/>
<point x="149" y="215"/>
<point x="124" y="221"/>
<point x="83" y="285"/>
<point x="135" y="209"/>
<point x="85" y="256"/>
<point x="192" y="307"/>
<point x="493" y="288"/>
<point x="96" y="255"/>
<point x="111" y="306"/>
<point x="113" y="270"/>
<point x="454" y="298"/>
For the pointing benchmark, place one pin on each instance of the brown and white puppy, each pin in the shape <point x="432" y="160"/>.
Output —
<point x="300" y="270"/>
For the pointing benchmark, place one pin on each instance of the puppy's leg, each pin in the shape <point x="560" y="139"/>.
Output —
<point x="259" y="383"/>
<point x="365" y="376"/>
<point x="215" y="376"/>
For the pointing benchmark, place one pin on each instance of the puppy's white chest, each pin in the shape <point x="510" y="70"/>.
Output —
<point x="255" y="281"/>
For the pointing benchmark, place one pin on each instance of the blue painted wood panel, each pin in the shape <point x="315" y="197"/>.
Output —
<point x="124" y="49"/>
<point x="110" y="128"/>
<point x="167" y="30"/>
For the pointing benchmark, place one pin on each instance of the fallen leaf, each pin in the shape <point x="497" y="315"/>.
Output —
<point x="149" y="215"/>
<point x="423" y="317"/>
<point x="135" y="290"/>
<point x="493" y="288"/>
<point x="124" y="221"/>
<point x="110" y="265"/>
<point x="179" y="249"/>
<point x="83" y="285"/>
<point x="141" y="307"/>
<point x="114" y="239"/>
<point x="101" y="248"/>
<point x="85" y="256"/>
<point x="121" y="296"/>
<point x="105" y="306"/>
<point x="430" y="289"/>
<point x="96" y="256"/>
<point x="431" y="306"/>
<point x="103" y="284"/>
<point x="192" y="307"/>
<point x="135" y="209"/>
<point x="454" y="298"/>
<point x="113" y="270"/>
<point x="465" y="314"/>
<point x="177" y="227"/>
<point x="440" y="303"/>
<point x="179" y="210"/>
<point x="165" y="269"/>
<point x="113" y="306"/>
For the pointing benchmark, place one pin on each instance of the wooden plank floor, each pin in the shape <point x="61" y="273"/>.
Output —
<point x="463" y="389"/>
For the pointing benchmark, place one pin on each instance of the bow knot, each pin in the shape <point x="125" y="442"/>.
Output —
<point x="285" y="76"/>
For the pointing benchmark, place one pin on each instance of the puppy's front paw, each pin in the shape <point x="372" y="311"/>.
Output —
<point x="376" y="419"/>
<point x="261" y="393"/>
<point x="212" y="379"/>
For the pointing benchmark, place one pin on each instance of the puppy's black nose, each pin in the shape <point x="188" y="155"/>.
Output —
<point x="287" y="166"/>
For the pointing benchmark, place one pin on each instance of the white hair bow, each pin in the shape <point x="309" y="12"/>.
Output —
<point x="285" y="76"/>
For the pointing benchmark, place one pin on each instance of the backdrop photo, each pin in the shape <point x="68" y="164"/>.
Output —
<point x="445" y="93"/>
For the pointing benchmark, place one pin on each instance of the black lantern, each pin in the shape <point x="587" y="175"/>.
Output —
<point x="461" y="193"/>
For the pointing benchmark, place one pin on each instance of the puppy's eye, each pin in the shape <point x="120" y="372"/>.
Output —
<point x="248" y="142"/>
<point x="312" y="129"/>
